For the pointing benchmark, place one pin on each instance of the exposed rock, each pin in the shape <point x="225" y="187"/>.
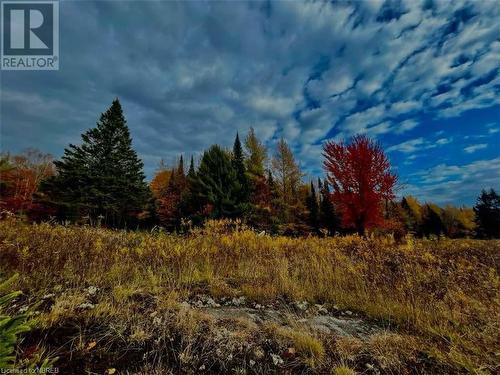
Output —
<point x="240" y="301"/>
<point x="91" y="290"/>
<point x="302" y="305"/>
<point x="277" y="360"/>
<point x="86" y="306"/>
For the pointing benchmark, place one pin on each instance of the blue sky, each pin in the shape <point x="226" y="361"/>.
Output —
<point x="421" y="77"/>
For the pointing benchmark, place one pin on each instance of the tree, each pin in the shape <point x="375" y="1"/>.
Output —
<point x="312" y="207"/>
<point x="432" y="223"/>
<point x="256" y="155"/>
<point x="458" y="222"/>
<point x="412" y="214"/>
<point x="287" y="176"/>
<point x="20" y="179"/>
<point x="487" y="210"/>
<point x="328" y="218"/>
<point x="160" y="181"/>
<point x="362" y="180"/>
<point x="216" y="187"/>
<point x="191" y="172"/>
<point x="238" y="161"/>
<point x="102" y="177"/>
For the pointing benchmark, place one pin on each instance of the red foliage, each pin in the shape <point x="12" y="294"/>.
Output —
<point x="361" y="178"/>
<point x="20" y="177"/>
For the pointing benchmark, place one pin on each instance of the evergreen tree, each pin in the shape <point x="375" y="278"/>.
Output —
<point x="216" y="187"/>
<point x="312" y="206"/>
<point x="328" y="217"/>
<point x="239" y="167"/>
<point x="102" y="177"/>
<point x="487" y="210"/>
<point x="432" y="223"/>
<point x="192" y="172"/>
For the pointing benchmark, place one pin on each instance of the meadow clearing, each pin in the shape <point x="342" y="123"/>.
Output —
<point x="114" y="301"/>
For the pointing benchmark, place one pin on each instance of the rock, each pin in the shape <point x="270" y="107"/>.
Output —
<point x="277" y="360"/>
<point x="86" y="306"/>
<point x="302" y="305"/>
<point x="321" y="309"/>
<point x="347" y="312"/>
<point x="251" y="362"/>
<point x="185" y="305"/>
<point x="238" y="301"/>
<point x="91" y="290"/>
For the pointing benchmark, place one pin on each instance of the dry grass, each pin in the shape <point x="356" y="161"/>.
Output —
<point x="441" y="296"/>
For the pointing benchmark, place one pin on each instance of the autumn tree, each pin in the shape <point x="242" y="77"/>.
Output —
<point x="103" y="177"/>
<point x="170" y="206"/>
<point x="458" y="221"/>
<point x="287" y="176"/>
<point x="360" y="175"/>
<point x="161" y="178"/>
<point x="20" y="178"/>
<point x="412" y="214"/>
<point x="256" y="155"/>
<point x="487" y="210"/>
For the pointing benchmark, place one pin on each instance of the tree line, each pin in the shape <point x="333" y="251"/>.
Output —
<point x="101" y="182"/>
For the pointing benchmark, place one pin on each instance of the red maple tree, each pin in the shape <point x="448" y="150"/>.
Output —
<point x="362" y="180"/>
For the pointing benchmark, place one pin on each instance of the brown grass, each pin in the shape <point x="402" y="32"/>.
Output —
<point x="441" y="297"/>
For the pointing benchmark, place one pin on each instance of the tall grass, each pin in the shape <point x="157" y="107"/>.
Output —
<point x="445" y="292"/>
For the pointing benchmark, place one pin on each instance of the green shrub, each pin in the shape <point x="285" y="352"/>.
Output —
<point x="10" y="326"/>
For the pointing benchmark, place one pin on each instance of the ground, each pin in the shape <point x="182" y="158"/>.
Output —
<point x="225" y="299"/>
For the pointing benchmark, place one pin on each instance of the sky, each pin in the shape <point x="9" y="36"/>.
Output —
<point x="420" y="77"/>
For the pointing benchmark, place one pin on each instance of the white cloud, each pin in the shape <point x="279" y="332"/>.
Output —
<point x="473" y="148"/>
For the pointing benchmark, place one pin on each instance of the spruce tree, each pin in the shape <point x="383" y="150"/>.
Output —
<point x="238" y="162"/>
<point x="191" y="172"/>
<point x="312" y="206"/>
<point x="328" y="217"/>
<point x="103" y="177"/>
<point x="216" y="188"/>
<point x="487" y="210"/>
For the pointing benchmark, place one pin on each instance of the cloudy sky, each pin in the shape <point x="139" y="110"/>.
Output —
<point x="421" y="77"/>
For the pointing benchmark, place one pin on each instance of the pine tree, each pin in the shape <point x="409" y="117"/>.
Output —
<point x="328" y="217"/>
<point x="192" y="172"/>
<point x="102" y="177"/>
<point x="239" y="167"/>
<point x="432" y="223"/>
<point x="312" y="206"/>
<point x="216" y="188"/>
<point x="487" y="210"/>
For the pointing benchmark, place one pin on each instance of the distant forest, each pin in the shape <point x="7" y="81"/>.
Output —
<point x="101" y="182"/>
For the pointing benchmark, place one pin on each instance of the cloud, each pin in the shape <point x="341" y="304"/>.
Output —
<point x="449" y="184"/>
<point x="473" y="148"/>
<point x="194" y="73"/>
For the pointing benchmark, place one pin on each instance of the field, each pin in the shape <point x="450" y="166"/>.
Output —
<point x="225" y="299"/>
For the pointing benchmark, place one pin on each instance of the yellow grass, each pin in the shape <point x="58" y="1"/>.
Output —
<point x="441" y="297"/>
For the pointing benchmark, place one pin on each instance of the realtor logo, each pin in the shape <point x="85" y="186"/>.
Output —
<point x="30" y="35"/>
